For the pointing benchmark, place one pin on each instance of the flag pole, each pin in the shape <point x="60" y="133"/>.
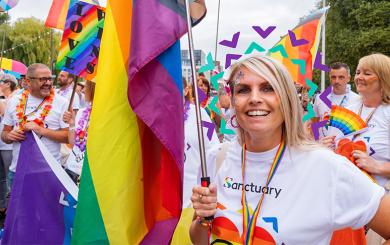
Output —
<point x="217" y="34"/>
<point x="73" y="93"/>
<point x="323" y="50"/>
<point x="205" y="180"/>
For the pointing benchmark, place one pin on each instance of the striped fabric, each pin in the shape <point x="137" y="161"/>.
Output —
<point x="309" y="29"/>
<point x="59" y="10"/>
<point x="131" y="184"/>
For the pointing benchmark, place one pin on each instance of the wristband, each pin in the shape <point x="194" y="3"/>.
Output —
<point x="71" y="128"/>
<point x="203" y="222"/>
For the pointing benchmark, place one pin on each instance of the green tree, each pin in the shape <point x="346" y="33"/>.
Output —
<point x="28" y="40"/>
<point x="356" y="28"/>
<point x="4" y="17"/>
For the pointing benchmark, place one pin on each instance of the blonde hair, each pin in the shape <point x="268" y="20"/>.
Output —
<point x="380" y="65"/>
<point x="276" y="74"/>
<point x="89" y="91"/>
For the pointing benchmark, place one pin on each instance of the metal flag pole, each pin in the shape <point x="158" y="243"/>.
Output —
<point x="217" y="34"/>
<point x="323" y="50"/>
<point x="205" y="180"/>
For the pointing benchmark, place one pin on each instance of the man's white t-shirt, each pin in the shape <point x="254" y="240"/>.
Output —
<point x="312" y="194"/>
<point x="52" y="121"/>
<point x="67" y="93"/>
<point x="322" y="111"/>
<point x="191" y="151"/>
<point x="377" y="137"/>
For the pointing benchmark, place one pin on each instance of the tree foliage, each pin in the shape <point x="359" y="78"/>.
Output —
<point x="28" y="40"/>
<point x="356" y="28"/>
<point x="4" y="17"/>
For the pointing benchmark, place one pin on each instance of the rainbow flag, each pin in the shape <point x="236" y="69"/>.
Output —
<point x="58" y="11"/>
<point x="80" y="44"/>
<point x="310" y="30"/>
<point x="131" y="183"/>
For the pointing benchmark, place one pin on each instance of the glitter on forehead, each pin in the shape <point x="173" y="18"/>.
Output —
<point x="238" y="77"/>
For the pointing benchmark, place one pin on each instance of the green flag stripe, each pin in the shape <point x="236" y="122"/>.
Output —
<point x="88" y="226"/>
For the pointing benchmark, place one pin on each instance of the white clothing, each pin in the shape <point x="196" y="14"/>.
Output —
<point x="52" y="121"/>
<point x="377" y="137"/>
<point x="76" y="156"/>
<point x="230" y="123"/>
<point x="67" y="94"/>
<point x="83" y="103"/>
<point x="191" y="151"/>
<point x="322" y="110"/>
<point x="312" y="194"/>
<point x="3" y="146"/>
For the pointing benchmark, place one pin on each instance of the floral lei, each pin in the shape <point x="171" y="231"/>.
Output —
<point x="21" y="108"/>
<point x="82" y="129"/>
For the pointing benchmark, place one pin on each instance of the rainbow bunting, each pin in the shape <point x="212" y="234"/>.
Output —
<point x="131" y="183"/>
<point x="58" y="12"/>
<point x="80" y="43"/>
<point x="310" y="30"/>
<point x="345" y="120"/>
<point x="6" y="5"/>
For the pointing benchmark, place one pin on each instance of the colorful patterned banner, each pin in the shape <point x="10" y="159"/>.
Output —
<point x="80" y="43"/>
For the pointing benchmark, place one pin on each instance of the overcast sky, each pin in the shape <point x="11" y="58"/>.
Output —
<point x="235" y="15"/>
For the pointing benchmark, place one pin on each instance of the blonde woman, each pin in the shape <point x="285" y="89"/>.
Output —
<point x="372" y="79"/>
<point x="274" y="184"/>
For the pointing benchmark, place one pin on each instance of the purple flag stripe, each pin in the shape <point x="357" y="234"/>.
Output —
<point x="38" y="201"/>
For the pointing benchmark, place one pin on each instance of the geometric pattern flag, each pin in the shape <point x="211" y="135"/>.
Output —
<point x="131" y="190"/>
<point x="302" y="44"/>
<point x="6" y="5"/>
<point x="59" y="10"/>
<point x="80" y="43"/>
<point x="42" y="205"/>
<point x="13" y="67"/>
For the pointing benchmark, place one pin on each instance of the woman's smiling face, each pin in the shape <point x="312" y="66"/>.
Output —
<point x="257" y="105"/>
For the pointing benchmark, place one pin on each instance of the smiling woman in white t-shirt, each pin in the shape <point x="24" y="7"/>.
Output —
<point x="275" y="186"/>
<point x="372" y="81"/>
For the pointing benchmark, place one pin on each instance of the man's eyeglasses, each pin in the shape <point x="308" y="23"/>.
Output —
<point x="43" y="79"/>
